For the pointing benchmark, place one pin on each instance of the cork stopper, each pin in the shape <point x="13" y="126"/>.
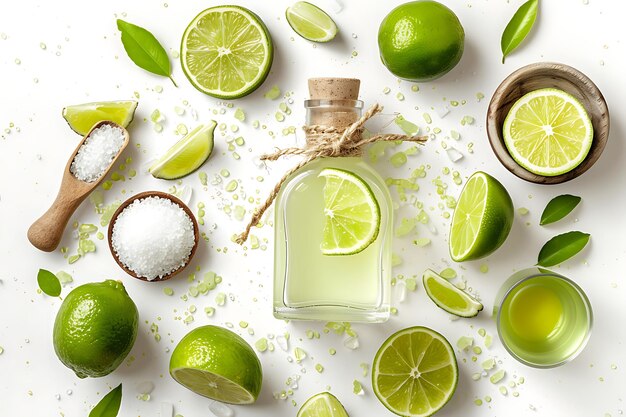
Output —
<point x="334" y="102"/>
<point x="334" y="88"/>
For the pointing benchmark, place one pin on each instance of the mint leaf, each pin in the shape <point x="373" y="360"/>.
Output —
<point x="518" y="28"/>
<point x="562" y="247"/>
<point x="48" y="283"/>
<point x="558" y="208"/>
<point x="145" y="50"/>
<point x="109" y="405"/>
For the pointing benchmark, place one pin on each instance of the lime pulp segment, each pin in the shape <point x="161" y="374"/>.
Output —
<point x="352" y="213"/>
<point x="82" y="117"/>
<point x="448" y="297"/>
<point x="311" y="22"/>
<point x="187" y="155"/>
<point x="548" y="132"/>
<point x="322" y="405"/>
<point x="468" y="215"/>
<point x="226" y="52"/>
<point x="415" y="372"/>
<point x="212" y="386"/>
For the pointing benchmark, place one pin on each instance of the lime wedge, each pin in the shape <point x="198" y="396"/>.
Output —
<point x="216" y="363"/>
<point x="82" y="117"/>
<point x="187" y="155"/>
<point x="482" y="219"/>
<point x="415" y="372"/>
<point x="448" y="297"/>
<point x="352" y="213"/>
<point x="548" y="132"/>
<point x="226" y="52"/>
<point x="323" y="404"/>
<point x="311" y="22"/>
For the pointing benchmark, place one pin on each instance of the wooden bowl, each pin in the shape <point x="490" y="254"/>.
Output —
<point x="174" y="200"/>
<point x="547" y="75"/>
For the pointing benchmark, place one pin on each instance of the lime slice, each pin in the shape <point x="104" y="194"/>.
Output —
<point x="482" y="219"/>
<point x="187" y="155"/>
<point x="415" y="372"/>
<point x="448" y="297"/>
<point x="311" y="22"/>
<point x="548" y="132"/>
<point x="226" y="52"/>
<point x="82" y="117"/>
<point x="323" y="404"/>
<point x="216" y="363"/>
<point x="352" y="213"/>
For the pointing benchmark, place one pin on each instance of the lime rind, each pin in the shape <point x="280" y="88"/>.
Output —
<point x="311" y="22"/>
<point x="82" y="117"/>
<point x="323" y="404"/>
<point x="352" y="213"/>
<point x="212" y="386"/>
<point x="226" y="71"/>
<point x="448" y="297"/>
<point x="430" y="374"/>
<point x="186" y="155"/>
<point x="564" y="127"/>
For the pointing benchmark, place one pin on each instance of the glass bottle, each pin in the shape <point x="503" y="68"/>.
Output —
<point x="307" y="284"/>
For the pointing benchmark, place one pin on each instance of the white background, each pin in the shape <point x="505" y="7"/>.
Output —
<point x="91" y="66"/>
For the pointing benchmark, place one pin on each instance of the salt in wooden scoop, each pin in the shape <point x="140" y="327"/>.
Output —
<point x="46" y="233"/>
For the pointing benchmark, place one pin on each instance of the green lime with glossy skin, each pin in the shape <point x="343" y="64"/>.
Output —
<point x="217" y="363"/>
<point x="421" y="40"/>
<point x="95" y="328"/>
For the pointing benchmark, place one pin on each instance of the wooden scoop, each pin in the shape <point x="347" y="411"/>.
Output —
<point x="46" y="233"/>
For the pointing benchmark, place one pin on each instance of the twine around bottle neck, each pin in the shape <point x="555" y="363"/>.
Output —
<point x="323" y="142"/>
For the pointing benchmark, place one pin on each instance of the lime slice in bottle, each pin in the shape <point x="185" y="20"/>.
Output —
<point x="216" y="363"/>
<point x="311" y="22"/>
<point x="226" y="52"/>
<point x="482" y="219"/>
<point x="548" y="132"/>
<point x="448" y="297"/>
<point x="352" y="213"/>
<point x="323" y="404"/>
<point x="82" y="117"/>
<point x="187" y="155"/>
<point x="415" y="372"/>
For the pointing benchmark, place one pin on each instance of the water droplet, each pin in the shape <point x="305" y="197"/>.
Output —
<point x="69" y="392"/>
<point x="354" y="35"/>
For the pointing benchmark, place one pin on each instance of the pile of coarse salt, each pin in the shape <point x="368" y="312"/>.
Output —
<point x="153" y="237"/>
<point x="97" y="152"/>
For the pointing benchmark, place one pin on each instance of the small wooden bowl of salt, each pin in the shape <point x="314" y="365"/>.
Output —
<point x="153" y="236"/>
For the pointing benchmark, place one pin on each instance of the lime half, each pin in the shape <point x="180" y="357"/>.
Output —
<point x="226" y="52"/>
<point x="82" y="117"/>
<point x="482" y="219"/>
<point x="311" y="22"/>
<point x="352" y="213"/>
<point x="415" y="372"/>
<point x="216" y="363"/>
<point x="323" y="404"/>
<point x="548" y="132"/>
<point x="448" y="297"/>
<point x="187" y="155"/>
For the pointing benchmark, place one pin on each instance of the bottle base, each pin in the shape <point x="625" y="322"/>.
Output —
<point x="332" y="313"/>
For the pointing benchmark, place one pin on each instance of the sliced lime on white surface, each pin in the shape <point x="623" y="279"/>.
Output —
<point x="311" y="22"/>
<point x="448" y="297"/>
<point x="82" y="117"/>
<point x="323" y="404"/>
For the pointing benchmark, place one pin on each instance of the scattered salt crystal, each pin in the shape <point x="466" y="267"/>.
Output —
<point x="167" y="410"/>
<point x="454" y="154"/>
<point x="351" y="342"/>
<point x="442" y="111"/>
<point x="153" y="237"/>
<point x="400" y="291"/>
<point x="221" y="409"/>
<point x="97" y="152"/>
<point x="282" y="342"/>
<point x="336" y="6"/>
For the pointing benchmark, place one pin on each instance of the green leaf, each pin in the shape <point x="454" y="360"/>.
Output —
<point x="109" y="405"/>
<point x="144" y="49"/>
<point x="48" y="283"/>
<point x="519" y="26"/>
<point x="558" y="208"/>
<point x="562" y="247"/>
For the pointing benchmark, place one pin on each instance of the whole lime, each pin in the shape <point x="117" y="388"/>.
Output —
<point x="217" y="363"/>
<point x="421" y="40"/>
<point x="95" y="328"/>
